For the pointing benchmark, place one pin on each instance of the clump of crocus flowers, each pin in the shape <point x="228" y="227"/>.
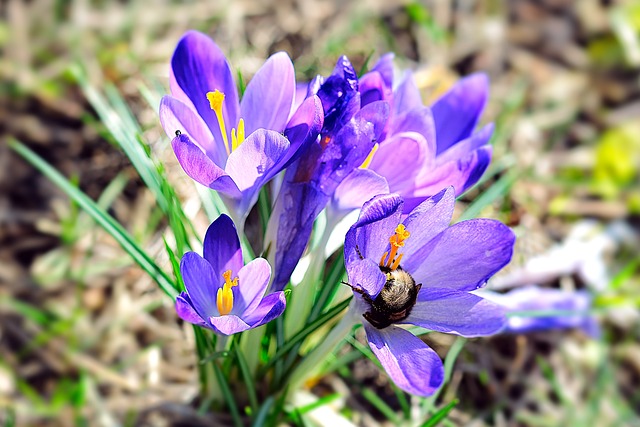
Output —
<point x="338" y="144"/>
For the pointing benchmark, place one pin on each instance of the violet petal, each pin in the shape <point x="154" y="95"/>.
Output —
<point x="254" y="163"/>
<point x="384" y="66"/>
<point x="339" y="95"/>
<point x="253" y="280"/>
<point x="465" y="255"/>
<point x="303" y="129"/>
<point x="461" y="173"/>
<point x="269" y="308"/>
<point x="187" y="312"/>
<point x="194" y="161"/>
<point x="418" y="120"/>
<point x="365" y="274"/>
<point x="201" y="168"/>
<point x="228" y="324"/>
<point x="357" y="188"/>
<point x="177" y="116"/>
<point x="457" y="112"/>
<point x="370" y="234"/>
<point x="406" y="96"/>
<point x="399" y="158"/>
<point x="372" y="88"/>
<point x="350" y="147"/>
<point x="466" y="146"/>
<point x="201" y="283"/>
<point x="454" y="312"/>
<point x="296" y="208"/>
<point x="251" y="164"/>
<point x="426" y="221"/>
<point x="222" y="247"/>
<point x="199" y="67"/>
<point x="533" y="298"/>
<point x="267" y="101"/>
<point x="411" y="364"/>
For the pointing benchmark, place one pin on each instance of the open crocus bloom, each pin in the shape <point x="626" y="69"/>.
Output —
<point x="420" y="271"/>
<point x="424" y="149"/>
<point x="222" y="293"/>
<point x="233" y="146"/>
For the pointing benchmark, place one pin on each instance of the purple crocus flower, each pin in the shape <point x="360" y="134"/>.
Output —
<point x="222" y="293"/>
<point x="232" y="146"/>
<point x="573" y="307"/>
<point x="348" y="135"/>
<point x="421" y="271"/>
<point x="424" y="149"/>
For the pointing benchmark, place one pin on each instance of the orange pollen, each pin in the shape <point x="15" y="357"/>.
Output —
<point x="325" y="141"/>
<point x="397" y="241"/>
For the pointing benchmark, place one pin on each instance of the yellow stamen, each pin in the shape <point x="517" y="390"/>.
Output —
<point x="397" y="241"/>
<point x="238" y="139"/>
<point x="216" y="99"/>
<point x="367" y="161"/>
<point x="224" y="298"/>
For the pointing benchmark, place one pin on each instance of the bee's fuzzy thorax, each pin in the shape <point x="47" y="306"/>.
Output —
<point x="396" y="299"/>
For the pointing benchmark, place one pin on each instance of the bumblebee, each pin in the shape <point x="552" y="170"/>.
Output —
<point x="395" y="301"/>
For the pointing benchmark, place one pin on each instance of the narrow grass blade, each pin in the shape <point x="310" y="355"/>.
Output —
<point x="246" y="376"/>
<point x="279" y="368"/>
<point x="125" y="130"/>
<point x="27" y="310"/>
<point x="365" y="65"/>
<point x="307" y="330"/>
<point x="228" y="396"/>
<point x="381" y="406"/>
<point x="105" y="220"/>
<point x="441" y="414"/>
<point x="404" y="404"/>
<point x="449" y="363"/>
<point x="262" y="414"/>
<point x="264" y="208"/>
<point x="318" y="403"/>
<point x="175" y="264"/>
<point x="498" y="189"/>
<point x="223" y="354"/>
<point x="329" y="287"/>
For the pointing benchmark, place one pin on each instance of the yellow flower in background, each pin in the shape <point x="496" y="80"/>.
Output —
<point x="617" y="160"/>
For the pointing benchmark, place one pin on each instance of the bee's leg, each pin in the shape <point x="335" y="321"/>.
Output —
<point x="359" y="253"/>
<point x="376" y="323"/>
<point x="358" y="289"/>
<point x="367" y="316"/>
<point x="418" y="287"/>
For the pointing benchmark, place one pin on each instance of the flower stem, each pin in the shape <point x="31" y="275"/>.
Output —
<point x="303" y="296"/>
<point x="313" y="361"/>
<point x="251" y="340"/>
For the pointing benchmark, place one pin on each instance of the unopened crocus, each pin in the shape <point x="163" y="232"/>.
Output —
<point x="222" y="293"/>
<point x="421" y="271"/>
<point x="234" y="146"/>
<point x="348" y="135"/>
<point x="533" y="308"/>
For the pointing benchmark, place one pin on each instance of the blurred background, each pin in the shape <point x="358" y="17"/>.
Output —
<point x="86" y="338"/>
